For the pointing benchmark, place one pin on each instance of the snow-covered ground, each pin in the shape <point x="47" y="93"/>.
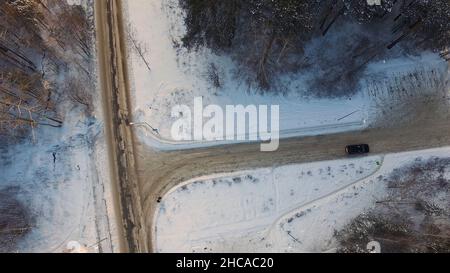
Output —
<point x="61" y="176"/>
<point x="176" y="76"/>
<point x="295" y="208"/>
<point x="61" y="179"/>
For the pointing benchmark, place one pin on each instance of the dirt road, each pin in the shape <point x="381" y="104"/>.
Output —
<point x="144" y="175"/>
<point x="114" y="84"/>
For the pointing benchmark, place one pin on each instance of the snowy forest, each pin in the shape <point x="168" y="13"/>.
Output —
<point x="42" y="45"/>
<point x="47" y="84"/>
<point x="268" y="37"/>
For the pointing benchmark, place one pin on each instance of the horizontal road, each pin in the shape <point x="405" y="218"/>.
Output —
<point x="151" y="173"/>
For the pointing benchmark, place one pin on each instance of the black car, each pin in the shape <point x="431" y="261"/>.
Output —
<point x="357" y="149"/>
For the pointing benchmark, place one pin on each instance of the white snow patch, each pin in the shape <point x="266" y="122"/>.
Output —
<point x="236" y="204"/>
<point x="177" y="76"/>
<point x="293" y="208"/>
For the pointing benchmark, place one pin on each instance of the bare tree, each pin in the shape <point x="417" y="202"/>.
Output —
<point x="77" y="93"/>
<point x="139" y="47"/>
<point x="35" y="36"/>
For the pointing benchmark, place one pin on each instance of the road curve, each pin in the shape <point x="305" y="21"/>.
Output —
<point x="145" y="174"/>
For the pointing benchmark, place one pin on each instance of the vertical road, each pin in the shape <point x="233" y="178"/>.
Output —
<point x="112" y="69"/>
